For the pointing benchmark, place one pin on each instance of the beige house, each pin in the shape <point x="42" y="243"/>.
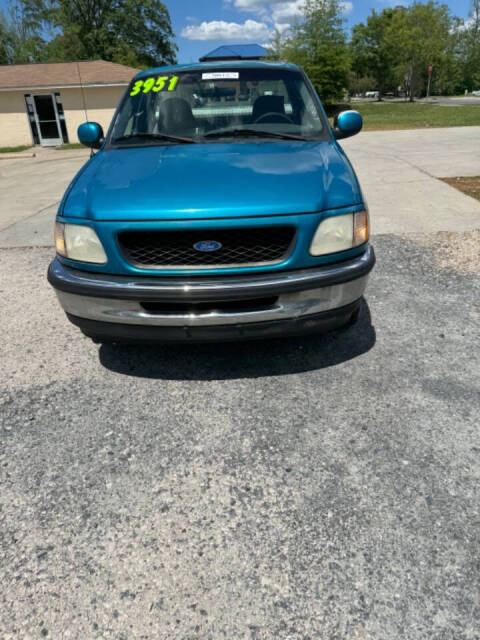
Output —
<point x="44" y="103"/>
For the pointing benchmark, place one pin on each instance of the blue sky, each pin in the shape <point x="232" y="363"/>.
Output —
<point x="202" y="25"/>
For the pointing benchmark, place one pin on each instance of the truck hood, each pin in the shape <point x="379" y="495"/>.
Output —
<point x="212" y="181"/>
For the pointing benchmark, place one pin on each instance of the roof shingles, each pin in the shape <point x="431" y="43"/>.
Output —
<point x="64" y="74"/>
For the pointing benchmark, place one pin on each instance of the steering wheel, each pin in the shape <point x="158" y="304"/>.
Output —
<point x="273" y="113"/>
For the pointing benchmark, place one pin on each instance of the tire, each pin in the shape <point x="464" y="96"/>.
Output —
<point x="353" y="318"/>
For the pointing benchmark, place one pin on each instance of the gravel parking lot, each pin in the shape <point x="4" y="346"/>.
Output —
<point x="322" y="488"/>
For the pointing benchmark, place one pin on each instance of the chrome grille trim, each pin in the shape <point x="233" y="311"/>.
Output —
<point x="147" y="249"/>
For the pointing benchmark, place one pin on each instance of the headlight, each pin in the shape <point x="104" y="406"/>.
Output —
<point x="338" y="233"/>
<point x="78" y="242"/>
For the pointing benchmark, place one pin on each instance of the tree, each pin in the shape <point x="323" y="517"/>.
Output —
<point x="358" y="84"/>
<point x="447" y="77"/>
<point x="371" y="55"/>
<point x="276" y="47"/>
<point x="134" y="32"/>
<point x="318" y="43"/>
<point x="468" y="48"/>
<point x="475" y="17"/>
<point x="421" y="35"/>
<point x="20" y="40"/>
<point x="3" y="41"/>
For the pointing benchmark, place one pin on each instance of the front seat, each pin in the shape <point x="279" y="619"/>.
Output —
<point x="269" y="104"/>
<point x="176" y="116"/>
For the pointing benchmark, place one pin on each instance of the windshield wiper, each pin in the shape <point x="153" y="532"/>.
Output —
<point x="155" y="136"/>
<point x="260" y="133"/>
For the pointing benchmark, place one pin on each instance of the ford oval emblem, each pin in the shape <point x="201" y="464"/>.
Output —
<point x="207" y="246"/>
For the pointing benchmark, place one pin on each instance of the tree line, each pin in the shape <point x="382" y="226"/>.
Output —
<point x="391" y="52"/>
<point x="136" y="33"/>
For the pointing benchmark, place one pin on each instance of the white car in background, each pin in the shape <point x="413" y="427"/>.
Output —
<point x="476" y="93"/>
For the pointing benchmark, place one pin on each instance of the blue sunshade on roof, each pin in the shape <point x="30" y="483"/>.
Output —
<point x="236" y="51"/>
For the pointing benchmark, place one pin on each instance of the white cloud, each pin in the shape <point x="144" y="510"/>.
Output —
<point x="282" y="27"/>
<point x="347" y="7"/>
<point x="280" y="10"/>
<point x="287" y="12"/>
<point x="280" y="13"/>
<point x="255" y="6"/>
<point x="269" y="9"/>
<point x="233" y="31"/>
<point x="465" y="25"/>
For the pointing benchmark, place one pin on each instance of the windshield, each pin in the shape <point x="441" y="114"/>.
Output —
<point x="209" y="105"/>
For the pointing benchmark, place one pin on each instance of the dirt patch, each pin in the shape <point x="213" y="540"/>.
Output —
<point x="459" y="252"/>
<point x="469" y="186"/>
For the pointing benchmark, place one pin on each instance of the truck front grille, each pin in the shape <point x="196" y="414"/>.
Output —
<point x="236" y="247"/>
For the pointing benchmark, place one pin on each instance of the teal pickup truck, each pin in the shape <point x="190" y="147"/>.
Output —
<point x="219" y="206"/>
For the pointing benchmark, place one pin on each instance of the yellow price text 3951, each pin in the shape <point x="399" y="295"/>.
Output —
<point x="161" y="83"/>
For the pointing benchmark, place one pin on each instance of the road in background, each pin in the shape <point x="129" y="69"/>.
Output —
<point x="452" y="101"/>
<point x="444" y="101"/>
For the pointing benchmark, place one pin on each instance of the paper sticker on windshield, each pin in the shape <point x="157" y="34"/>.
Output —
<point x="155" y="84"/>
<point x="221" y="75"/>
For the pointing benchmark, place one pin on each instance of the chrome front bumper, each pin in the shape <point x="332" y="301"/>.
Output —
<point x="281" y="296"/>
<point x="289" y="305"/>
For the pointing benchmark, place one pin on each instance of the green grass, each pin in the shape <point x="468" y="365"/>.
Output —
<point x="22" y="147"/>
<point x="70" y="145"/>
<point x="380" y="116"/>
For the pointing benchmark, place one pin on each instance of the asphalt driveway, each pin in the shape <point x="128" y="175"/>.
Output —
<point x="322" y="488"/>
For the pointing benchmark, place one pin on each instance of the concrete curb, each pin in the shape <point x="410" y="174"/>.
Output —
<point x="14" y="156"/>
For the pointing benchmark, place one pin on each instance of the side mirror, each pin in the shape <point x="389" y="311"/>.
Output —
<point x="346" y="124"/>
<point x="90" y="134"/>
